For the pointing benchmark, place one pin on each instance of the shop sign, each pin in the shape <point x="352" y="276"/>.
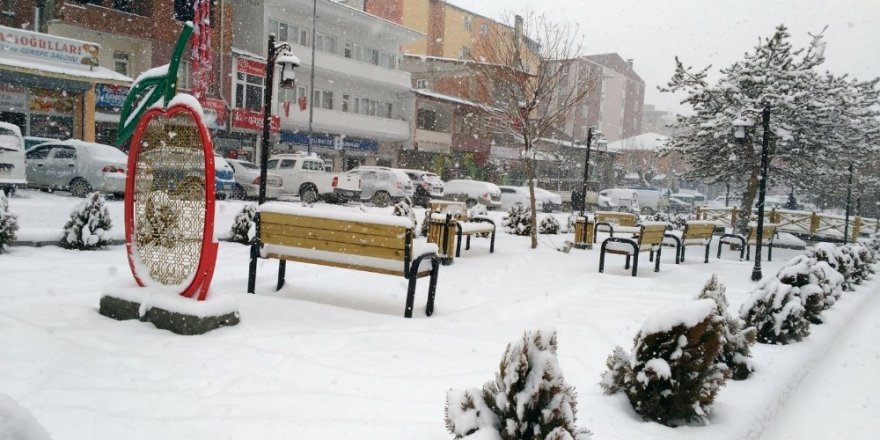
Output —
<point x="251" y="120"/>
<point x="13" y="99"/>
<point x="47" y="47"/>
<point x="250" y="67"/>
<point x="215" y="112"/>
<point x="51" y="101"/>
<point x="109" y="96"/>
<point x="337" y="142"/>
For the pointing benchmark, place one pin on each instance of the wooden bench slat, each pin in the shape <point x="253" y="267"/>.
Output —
<point x="423" y="271"/>
<point x="332" y="225"/>
<point x="331" y="246"/>
<point x="334" y="236"/>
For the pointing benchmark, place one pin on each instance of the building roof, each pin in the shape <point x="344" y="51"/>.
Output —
<point x="70" y="71"/>
<point x="644" y="141"/>
<point x="450" y="98"/>
<point x="615" y="62"/>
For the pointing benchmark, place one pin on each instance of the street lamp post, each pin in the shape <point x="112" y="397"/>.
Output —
<point x="583" y="195"/>
<point x="740" y="135"/>
<point x="280" y="54"/>
<point x="848" y="198"/>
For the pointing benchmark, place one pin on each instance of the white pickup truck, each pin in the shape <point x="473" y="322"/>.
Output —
<point x="304" y="175"/>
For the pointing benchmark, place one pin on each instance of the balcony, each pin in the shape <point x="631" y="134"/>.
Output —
<point x="352" y="124"/>
<point x="433" y="141"/>
<point x="351" y="69"/>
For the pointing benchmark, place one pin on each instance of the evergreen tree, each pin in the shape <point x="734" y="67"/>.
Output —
<point x="738" y="339"/>
<point x="518" y="220"/>
<point x="806" y="280"/>
<point x="243" y="227"/>
<point x="8" y="223"/>
<point x="528" y="400"/>
<point x="89" y="225"/>
<point x="838" y="261"/>
<point x="549" y="225"/>
<point x="674" y="373"/>
<point x="403" y="208"/>
<point x="776" y="312"/>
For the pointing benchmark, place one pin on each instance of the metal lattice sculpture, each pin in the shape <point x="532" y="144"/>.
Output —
<point x="169" y="200"/>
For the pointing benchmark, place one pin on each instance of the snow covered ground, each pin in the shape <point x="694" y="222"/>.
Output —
<point x="330" y="356"/>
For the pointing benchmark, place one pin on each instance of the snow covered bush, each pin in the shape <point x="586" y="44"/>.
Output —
<point x="814" y="282"/>
<point x="838" y="261"/>
<point x="89" y="225"/>
<point x="529" y="399"/>
<point x="8" y="223"/>
<point x="674" y="372"/>
<point x="478" y="210"/>
<point x="861" y="269"/>
<point x="735" y="351"/>
<point x="675" y="221"/>
<point x="243" y="227"/>
<point x="403" y="208"/>
<point x="776" y="312"/>
<point x="549" y="225"/>
<point x="518" y="220"/>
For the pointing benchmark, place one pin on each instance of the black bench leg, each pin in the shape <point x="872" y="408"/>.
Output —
<point x="282" y="268"/>
<point x="679" y="253"/>
<point x="410" y="294"/>
<point x="458" y="244"/>
<point x="720" y="245"/>
<point x="706" y="260"/>
<point x="770" y="252"/>
<point x="651" y="255"/>
<point x="626" y="266"/>
<point x="635" y="263"/>
<point x="657" y="262"/>
<point x="748" y="252"/>
<point x="492" y="243"/>
<point x="432" y="286"/>
<point x="683" y="249"/>
<point x="467" y="243"/>
<point x="252" y="267"/>
<point x="602" y="258"/>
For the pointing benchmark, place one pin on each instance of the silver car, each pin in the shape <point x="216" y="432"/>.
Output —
<point x="382" y="185"/>
<point x="247" y="181"/>
<point x="76" y="166"/>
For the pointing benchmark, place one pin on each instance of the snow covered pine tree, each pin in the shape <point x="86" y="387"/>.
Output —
<point x="243" y="227"/>
<point x="735" y="351"/>
<point x="8" y="223"/>
<point x="518" y="220"/>
<point x="674" y="373"/>
<point x="548" y="225"/>
<point x="403" y="208"/>
<point x="528" y="400"/>
<point x="89" y="225"/>
<point x="776" y="312"/>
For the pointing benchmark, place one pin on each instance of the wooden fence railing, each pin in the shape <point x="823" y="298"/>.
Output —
<point x="799" y="222"/>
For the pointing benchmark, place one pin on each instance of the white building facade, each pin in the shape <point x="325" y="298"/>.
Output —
<point x="361" y="105"/>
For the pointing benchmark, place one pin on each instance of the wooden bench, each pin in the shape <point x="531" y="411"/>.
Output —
<point x="351" y="240"/>
<point x="745" y="243"/>
<point x="623" y="221"/>
<point x="649" y="239"/>
<point x="464" y="225"/>
<point x="695" y="233"/>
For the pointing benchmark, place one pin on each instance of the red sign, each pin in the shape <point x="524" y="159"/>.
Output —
<point x="251" y="67"/>
<point x="215" y="112"/>
<point x="251" y="120"/>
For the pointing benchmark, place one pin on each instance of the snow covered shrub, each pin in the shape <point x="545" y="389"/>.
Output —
<point x="776" y="312"/>
<point x="8" y="223"/>
<point x="838" y="261"/>
<point x="674" y="221"/>
<point x="735" y="351"/>
<point x="478" y="210"/>
<point x="529" y="399"/>
<point x="518" y="220"/>
<point x="243" y="227"/>
<point x="423" y="230"/>
<point x="404" y="209"/>
<point x="549" y="225"/>
<point x="859" y="255"/>
<point x="674" y="372"/>
<point x="89" y="225"/>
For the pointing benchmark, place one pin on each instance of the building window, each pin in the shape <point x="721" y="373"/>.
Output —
<point x="426" y="119"/>
<point x="484" y="29"/>
<point x="384" y="110"/>
<point x="345" y="102"/>
<point x="121" y="62"/>
<point x="464" y="53"/>
<point x="184" y="75"/>
<point x="248" y="91"/>
<point x="467" y="22"/>
<point x="289" y="33"/>
<point x="348" y="49"/>
<point x="421" y="84"/>
<point x="323" y="99"/>
<point x="183" y="10"/>
<point x="124" y="5"/>
<point x="325" y="43"/>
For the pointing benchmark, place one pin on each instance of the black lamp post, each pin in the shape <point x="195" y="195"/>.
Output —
<point x="583" y="195"/>
<point x="740" y="135"/>
<point x="280" y="54"/>
<point x="848" y="198"/>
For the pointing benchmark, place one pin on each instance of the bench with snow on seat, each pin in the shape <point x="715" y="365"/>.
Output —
<point x="746" y="243"/>
<point x="614" y="221"/>
<point x="695" y="233"/>
<point x="648" y="239"/>
<point x="474" y="226"/>
<point x="350" y="240"/>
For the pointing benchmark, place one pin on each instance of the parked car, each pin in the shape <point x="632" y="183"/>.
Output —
<point x="382" y="185"/>
<point x="12" y="168"/>
<point x="76" y="166"/>
<point x="678" y="206"/>
<point x="472" y="192"/>
<point x="699" y="198"/>
<point x="427" y="186"/>
<point x="247" y="181"/>
<point x="519" y="195"/>
<point x="624" y="199"/>
<point x="650" y="200"/>
<point x="33" y="141"/>
<point x="304" y="175"/>
<point x="224" y="178"/>
<point x="718" y="202"/>
<point x="593" y="200"/>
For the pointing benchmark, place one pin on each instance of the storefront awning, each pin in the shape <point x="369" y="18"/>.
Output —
<point x="38" y="73"/>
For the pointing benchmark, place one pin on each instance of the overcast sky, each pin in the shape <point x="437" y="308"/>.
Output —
<point x="704" y="32"/>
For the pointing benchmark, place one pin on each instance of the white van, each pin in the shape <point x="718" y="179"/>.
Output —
<point x="626" y="200"/>
<point x="12" y="168"/>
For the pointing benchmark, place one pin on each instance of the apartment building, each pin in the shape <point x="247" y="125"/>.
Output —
<point x="61" y="97"/>
<point x="622" y="97"/>
<point x="361" y="107"/>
